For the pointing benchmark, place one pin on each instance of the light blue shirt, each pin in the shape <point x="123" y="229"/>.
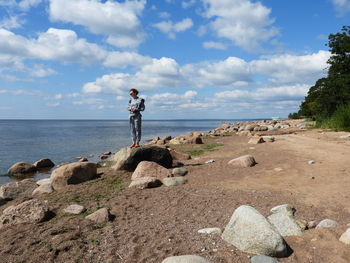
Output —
<point x="136" y="103"/>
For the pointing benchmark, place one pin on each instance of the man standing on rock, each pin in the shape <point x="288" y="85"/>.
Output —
<point x="136" y="104"/>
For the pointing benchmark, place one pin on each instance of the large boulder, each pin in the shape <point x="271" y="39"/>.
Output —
<point x="22" y="168"/>
<point x="250" y="232"/>
<point x="32" y="211"/>
<point x="19" y="189"/>
<point x="243" y="161"/>
<point x="150" y="169"/>
<point x="128" y="158"/>
<point x="73" y="173"/>
<point x="44" y="163"/>
<point x="283" y="219"/>
<point x="185" y="259"/>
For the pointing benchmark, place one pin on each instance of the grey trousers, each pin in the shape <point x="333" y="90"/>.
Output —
<point x="135" y="127"/>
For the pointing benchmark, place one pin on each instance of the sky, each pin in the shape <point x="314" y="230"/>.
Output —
<point x="190" y="59"/>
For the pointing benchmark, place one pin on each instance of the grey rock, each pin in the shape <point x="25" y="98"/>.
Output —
<point x="211" y="230"/>
<point x="100" y="216"/>
<point x="74" y="209"/>
<point x="263" y="259"/>
<point x="251" y="232"/>
<point x="43" y="189"/>
<point x="31" y="211"/>
<point x="173" y="181"/>
<point x="19" y="189"/>
<point x="345" y="237"/>
<point x="179" y="171"/>
<point x="22" y="168"/>
<point x="243" y="161"/>
<point x="44" y="163"/>
<point x="327" y="223"/>
<point x="44" y="181"/>
<point x="145" y="182"/>
<point x="185" y="259"/>
<point x="73" y="173"/>
<point x="128" y="158"/>
<point x="285" y="209"/>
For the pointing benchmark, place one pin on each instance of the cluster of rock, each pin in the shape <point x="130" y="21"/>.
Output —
<point x="26" y="168"/>
<point x="190" y="138"/>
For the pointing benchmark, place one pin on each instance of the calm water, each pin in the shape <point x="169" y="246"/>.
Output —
<point x="62" y="140"/>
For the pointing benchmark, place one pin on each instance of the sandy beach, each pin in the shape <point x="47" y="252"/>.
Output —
<point x="150" y="225"/>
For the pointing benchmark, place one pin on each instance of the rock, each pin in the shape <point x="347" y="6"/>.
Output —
<point x="327" y="223"/>
<point x="43" y="189"/>
<point x="250" y="232"/>
<point x="128" y="158"/>
<point x="74" y="209"/>
<point x="344" y="136"/>
<point x="195" y="140"/>
<point x="212" y="230"/>
<point x="82" y="160"/>
<point x="104" y="157"/>
<point x="179" y="172"/>
<point x="243" y="161"/>
<point x="167" y="138"/>
<point x="44" y="181"/>
<point x="261" y="128"/>
<point x="161" y="142"/>
<point x="263" y="259"/>
<point x="173" y="181"/>
<point x="311" y="162"/>
<point x="278" y="169"/>
<point x="174" y="141"/>
<point x="244" y="133"/>
<point x="268" y="138"/>
<point x="31" y="211"/>
<point x="73" y="173"/>
<point x="185" y="259"/>
<point x="19" y="189"/>
<point x="282" y="218"/>
<point x="224" y="126"/>
<point x="311" y="224"/>
<point x="249" y="127"/>
<point x="107" y="153"/>
<point x="100" y="216"/>
<point x="150" y="169"/>
<point x="256" y="140"/>
<point x="145" y="182"/>
<point x="44" y="163"/>
<point x="345" y="237"/>
<point x="179" y="156"/>
<point x="22" y="168"/>
<point x="210" y="161"/>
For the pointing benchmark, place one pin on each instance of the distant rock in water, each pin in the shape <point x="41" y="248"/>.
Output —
<point x="44" y="163"/>
<point x="22" y="168"/>
<point x="128" y="158"/>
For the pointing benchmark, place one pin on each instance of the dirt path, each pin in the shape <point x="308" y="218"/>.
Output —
<point x="155" y="223"/>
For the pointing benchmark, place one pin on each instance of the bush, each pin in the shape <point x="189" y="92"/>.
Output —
<point x="339" y="121"/>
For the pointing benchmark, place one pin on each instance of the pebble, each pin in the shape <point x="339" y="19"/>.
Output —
<point x="326" y="223"/>
<point x="278" y="169"/>
<point x="212" y="230"/>
<point x="210" y="161"/>
<point x="251" y="148"/>
<point x="311" y="162"/>
<point x="345" y="237"/>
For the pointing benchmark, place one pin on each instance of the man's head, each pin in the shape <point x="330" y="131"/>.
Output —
<point x="133" y="92"/>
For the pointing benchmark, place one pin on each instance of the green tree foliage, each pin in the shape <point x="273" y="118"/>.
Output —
<point x="330" y="93"/>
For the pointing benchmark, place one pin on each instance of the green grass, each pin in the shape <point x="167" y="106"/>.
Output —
<point x="205" y="148"/>
<point x="339" y="121"/>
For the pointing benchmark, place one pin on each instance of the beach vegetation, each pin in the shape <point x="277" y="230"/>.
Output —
<point x="328" y="99"/>
<point x="204" y="148"/>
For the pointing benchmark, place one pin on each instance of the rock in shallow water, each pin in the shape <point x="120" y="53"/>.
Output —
<point x="44" y="163"/>
<point x="250" y="232"/>
<point x="22" y="168"/>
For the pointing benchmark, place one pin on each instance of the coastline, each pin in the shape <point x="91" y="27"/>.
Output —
<point x="166" y="219"/>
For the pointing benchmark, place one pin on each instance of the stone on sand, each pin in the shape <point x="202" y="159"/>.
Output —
<point x="185" y="259"/>
<point x="327" y="223"/>
<point x="210" y="230"/>
<point x="150" y="169"/>
<point x="243" y="161"/>
<point x="145" y="182"/>
<point x="179" y="156"/>
<point x="345" y="237"/>
<point x="42" y="189"/>
<point x="74" y="209"/>
<point x="100" y="216"/>
<point x="251" y="232"/>
<point x="173" y="181"/>
<point x="179" y="171"/>
<point x="263" y="259"/>
<point x="19" y="189"/>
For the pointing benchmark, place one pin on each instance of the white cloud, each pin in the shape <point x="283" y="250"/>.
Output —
<point x="119" y="21"/>
<point x="170" y="28"/>
<point x="11" y="22"/>
<point x="55" y="104"/>
<point x="24" y="5"/>
<point x="214" y="45"/>
<point x="342" y="6"/>
<point x="164" y="15"/>
<point x="187" y="4"/>
<point x="160" y="73"/>
<point x="123" y="59"/>
<point x="247" y="24"/>
<point x="39" y="71"/>
<point x="171" y="101"/>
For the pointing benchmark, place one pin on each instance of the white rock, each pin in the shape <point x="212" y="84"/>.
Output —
<point x="311" y="162"/>
<point x="212" y="230"/>
<point x="44" y="181"/>
<point x="100" y="216"/>
<point x="278" y="169"/>
<point x="345" y="237"/>
<point x="326" y="223"/>
<point x="210" y="161"/>
<point x="43" y="189"/>
<point x="74" y="209"/>
<point x="282" y="218"/>
<point x="185" y="259"/>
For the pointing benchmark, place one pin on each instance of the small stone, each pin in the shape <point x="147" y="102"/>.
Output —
<point x="311" y="224"/>
<point x="107" y="153"/>
<point x="268" y="138"/>
<point x="179" y="172"/>
<point x="145" y="182"/>
<point x="278" y="169"/>
<point x="212" y="230"/>
<point x="251" y="148"/>
<point x="74" y="209"/>
<point x="44" y="163"/>
<point x="256" y="140"/>
<point x="263" y="259"/>
<point x="104" y="157"/>
<point x="100" y="216"/>
<point x="185" y="259"/>
<point x="210" y="161"/>
<point x="173" y="181"/>
<point x="311" y="162"/>
<point x="43" y="189"/>
<point x="345" y="237"/>
<point x="83" y="160"/>
<point x="327" y="223"/>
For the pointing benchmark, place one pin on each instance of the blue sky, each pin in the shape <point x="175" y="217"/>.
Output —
<point x="64" y="59"/>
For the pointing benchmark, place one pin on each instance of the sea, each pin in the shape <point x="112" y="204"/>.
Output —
<point x="64" y="140"/>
